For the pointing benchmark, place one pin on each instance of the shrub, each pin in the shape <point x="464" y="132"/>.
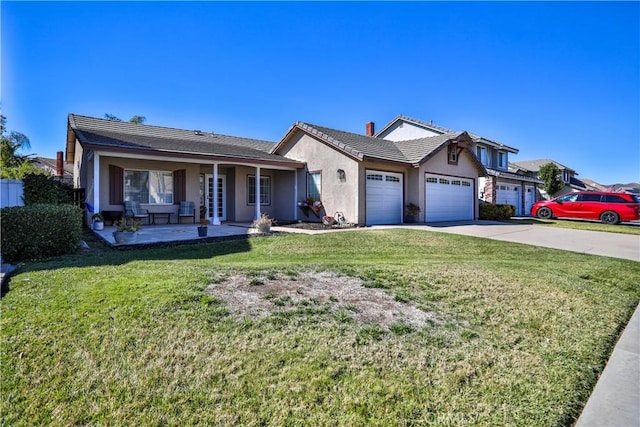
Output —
<point x="39" y="231"/>
<point x="46" y="189"/>
<point x="496" y="212"/>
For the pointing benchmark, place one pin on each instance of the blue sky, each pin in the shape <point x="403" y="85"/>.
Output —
<point x="555" y="80"/>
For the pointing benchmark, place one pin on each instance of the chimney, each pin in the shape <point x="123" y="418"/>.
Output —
<point x="60" y="164"/>
<point x="371" y="128"/>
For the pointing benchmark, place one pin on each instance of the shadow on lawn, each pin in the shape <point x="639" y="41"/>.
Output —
<point x="100" y="253"/>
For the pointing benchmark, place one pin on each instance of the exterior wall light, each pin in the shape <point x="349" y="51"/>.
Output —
<point x="341" y="175"/>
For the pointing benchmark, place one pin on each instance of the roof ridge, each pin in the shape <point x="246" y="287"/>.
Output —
<point x="140" y="126"/>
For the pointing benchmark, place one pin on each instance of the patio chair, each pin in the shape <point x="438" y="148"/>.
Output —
<point x="133" y="210"/>
<point x="187" y="210"/>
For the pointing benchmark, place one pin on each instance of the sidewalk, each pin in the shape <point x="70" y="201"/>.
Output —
<point x="615" y="401"/>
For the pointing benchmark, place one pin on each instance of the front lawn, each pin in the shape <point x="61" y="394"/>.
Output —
<point x="282" y="330"/>
<point x="577" y="224"/>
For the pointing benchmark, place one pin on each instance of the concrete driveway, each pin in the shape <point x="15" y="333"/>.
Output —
<point x="613" y="245"/>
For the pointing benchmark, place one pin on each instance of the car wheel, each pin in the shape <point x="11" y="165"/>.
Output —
<point x="609" y="217"/>
<point x="545" y="213"/>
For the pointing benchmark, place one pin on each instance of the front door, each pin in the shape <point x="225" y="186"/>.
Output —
<point x="222" y="196"/>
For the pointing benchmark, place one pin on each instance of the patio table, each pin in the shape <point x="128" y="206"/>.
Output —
<point x="161" y="214"/>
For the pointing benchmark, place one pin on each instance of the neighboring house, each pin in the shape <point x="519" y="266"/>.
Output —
<point x="371" y="180"/>
<point x="56" y="167"/>
<point x="567" y="176"/>
<point x="236" y="178"/>
<point x="502" y="184"/>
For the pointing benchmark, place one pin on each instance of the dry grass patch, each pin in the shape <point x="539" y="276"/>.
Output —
<point x="316" y="292"/>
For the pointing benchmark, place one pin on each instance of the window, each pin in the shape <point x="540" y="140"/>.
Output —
<point x="612" y="198"/>
<point x="502" y="160"/>
<point x="466" y="184"/>
<point x="314" y="186"/>
<point x="565" y="176"/>
<point x="444" y="181"/>
<point x="455" y="182"/>
<point x="152" y="187"/>
<point x="452" y="152"/>
<point x="374" y="177"/>
<point x="568" y="198"/>
<point x="265" y="190"/>
<point x="391" y="178"/>
<point x="482" y="155"/>
<point x="432" y="180"/>
<point x="589" y="197"/>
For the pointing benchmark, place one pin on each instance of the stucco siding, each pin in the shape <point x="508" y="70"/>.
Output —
<point x="337" y="195"/>
<point x="192" y="182"/>
<point x="405" y="131"/>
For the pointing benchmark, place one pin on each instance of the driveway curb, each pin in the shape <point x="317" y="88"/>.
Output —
<point x="614" y="400"/>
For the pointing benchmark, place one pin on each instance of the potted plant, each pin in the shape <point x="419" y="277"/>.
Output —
<point x="202" y="228"/>
<point x="414" y="211"/>
<point x="98" y="221"/>
<point x="263" y="224"/>
<point x="126" y="230"/>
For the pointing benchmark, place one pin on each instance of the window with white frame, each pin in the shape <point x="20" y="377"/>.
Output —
<point x="482" y="155"/>
<point x="314" y="186"/>
<point x="148" y="186"/>
<point x="502" y="160"/>
<point x="265" y="190"/>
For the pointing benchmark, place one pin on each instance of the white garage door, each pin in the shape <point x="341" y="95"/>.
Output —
<point x="384" y="198"/>
<point x="509" y="194"/>
<point x="448" y="198"/>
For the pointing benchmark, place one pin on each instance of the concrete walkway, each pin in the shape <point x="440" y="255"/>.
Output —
<point x="615" y="400"/>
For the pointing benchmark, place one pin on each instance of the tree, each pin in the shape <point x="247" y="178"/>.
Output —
<point x="13" y="164"/>
<point x="550" y="174"/>
<point x="134" y="119"/>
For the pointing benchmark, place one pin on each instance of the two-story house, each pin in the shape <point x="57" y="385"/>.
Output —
<point x="567" y="176"/>
<point x="502" y="184"/>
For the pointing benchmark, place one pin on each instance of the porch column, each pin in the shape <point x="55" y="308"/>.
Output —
<point x="96" y="182"/>
<point x="215" y="219"/>
<point x="257" y="215"/>
<point x="295" y="194"/>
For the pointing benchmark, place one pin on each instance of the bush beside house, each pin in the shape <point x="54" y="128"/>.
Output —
<point x="39" y="231"/>
<point x="490" y="211"/>
<point x="40" y="188"/>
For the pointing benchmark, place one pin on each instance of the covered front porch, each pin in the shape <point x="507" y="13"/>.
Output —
<point x="222" y="191"/>
<point x="180" y="233"/>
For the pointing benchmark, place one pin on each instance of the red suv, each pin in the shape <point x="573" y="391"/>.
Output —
<point x="610" y="208"/>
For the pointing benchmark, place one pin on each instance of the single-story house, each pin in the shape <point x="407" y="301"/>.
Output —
<point x="501" y="184"/>
<point x="56" y="167"/>
<point x="367" y="178"/>
<point x="160" y="167"/>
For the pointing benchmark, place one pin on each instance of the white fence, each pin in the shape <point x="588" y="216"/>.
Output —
<point x="11" y="193"/>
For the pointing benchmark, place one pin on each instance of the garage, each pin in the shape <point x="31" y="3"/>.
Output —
<point x="384" y="198"/>
<point x="509" y="194"/>
<point x="448" y="198"/>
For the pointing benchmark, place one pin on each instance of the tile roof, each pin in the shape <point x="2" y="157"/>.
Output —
<point x="51" y="165"/>
<point x="145" y="138"/>
<point x="443" y="130"/>
<point x="361" y="146"/>
<point x="535" y="165"/>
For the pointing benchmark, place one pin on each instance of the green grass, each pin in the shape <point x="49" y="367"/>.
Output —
<point x="131" y="338"/>
<point x="581" y="225"/>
